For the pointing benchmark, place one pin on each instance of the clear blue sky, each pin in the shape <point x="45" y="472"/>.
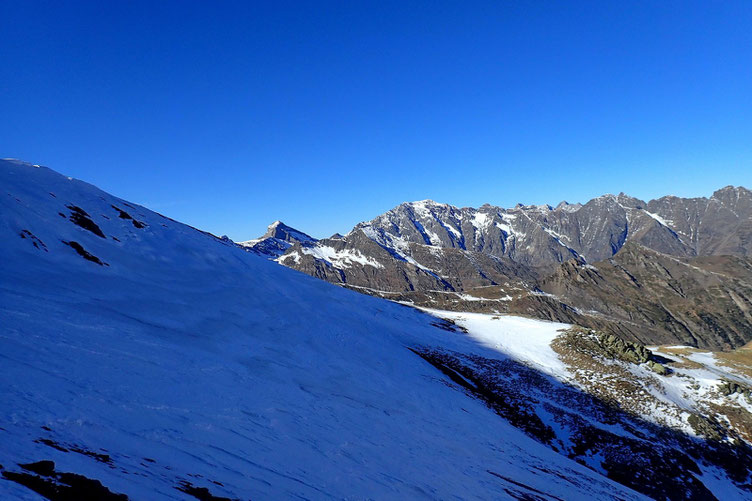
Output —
<point x="229" y="115"/>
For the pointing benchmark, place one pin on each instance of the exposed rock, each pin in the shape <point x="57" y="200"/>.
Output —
<point x="611" y="347"/>
<point x="84" y="253"/>
<point x="656" y="461"/>
<point x="705" y="427"/>
<point x="729" y="388"/>
<point x="36" y="242"/>
<point x="124" y="215"/>
<point x="61" y="486"/>
<point x="200" y="493"/>
<point x="80" y="218"/>
<point x="658" y="368"/>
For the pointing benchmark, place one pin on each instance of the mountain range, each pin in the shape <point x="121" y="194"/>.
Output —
<point x="608" y="264"/>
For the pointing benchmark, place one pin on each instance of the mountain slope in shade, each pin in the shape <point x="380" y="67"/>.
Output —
<point x="164" y="362"/>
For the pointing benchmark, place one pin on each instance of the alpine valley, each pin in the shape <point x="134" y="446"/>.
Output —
<point x="596" y="351"/>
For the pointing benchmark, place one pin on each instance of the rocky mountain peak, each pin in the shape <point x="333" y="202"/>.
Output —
<point x="567" y="207"/>
<point x="278" y="238"/>
<point x="629" y="201"/>
<point x="280" y="230"/>
<point x="732" y="194"/>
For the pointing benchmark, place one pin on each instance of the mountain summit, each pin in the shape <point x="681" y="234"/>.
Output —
<point x="278" y="238"/>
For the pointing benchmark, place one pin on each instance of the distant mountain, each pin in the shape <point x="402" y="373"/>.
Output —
<point x="278" y="238"/>
<point x="436" y="254"/>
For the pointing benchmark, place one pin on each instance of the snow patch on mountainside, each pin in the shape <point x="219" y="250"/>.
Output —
<point x="523" y="339"/>
<point x="658" y="218"/>
<point x="340" y="258"/>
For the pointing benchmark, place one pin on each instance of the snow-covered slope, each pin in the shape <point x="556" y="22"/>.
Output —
<point x="523" y="339"/>
<point x="161" y="361"/>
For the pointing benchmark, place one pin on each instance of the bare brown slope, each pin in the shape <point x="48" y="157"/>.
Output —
<point x="655" y="298"/>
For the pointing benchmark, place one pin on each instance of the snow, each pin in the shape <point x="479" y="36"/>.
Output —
<point x="523" y="339"/>
<point x="658" y="218"/>
<point x="570" y="207"/>
<point x="249" y="243"/>
<point x="371" y="233"/>
<point x="433" y="238"/>
<point x="221" y="366"/>
<point x="557" y="236"/>
<point x="719" y="371"/>
<point x="340" y="258"/>
<point x="399" y="245"/>
<point x="450" y="229"/>
<point x="422" y="208"/>
<point x="693" y="388"/>
<point x="295" y="256"/>
<point x="504" y="227"/>
<point x="481" y="220"/>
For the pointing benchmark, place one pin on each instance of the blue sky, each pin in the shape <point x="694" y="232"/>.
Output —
<point x="229" y="115"/>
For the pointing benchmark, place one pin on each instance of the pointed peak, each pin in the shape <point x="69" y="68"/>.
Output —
<point x="281" y="231"/>
<point x="567" y="207"/>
